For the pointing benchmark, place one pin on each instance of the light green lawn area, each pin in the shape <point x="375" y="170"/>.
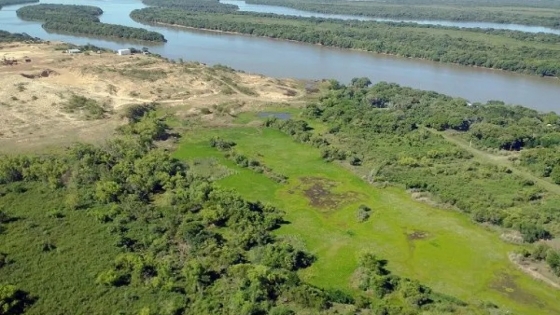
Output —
<point x="452" y="255"/>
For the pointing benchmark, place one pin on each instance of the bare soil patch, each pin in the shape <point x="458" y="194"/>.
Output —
<point x="505" y="284"/>
<point x="320" y="193"/>
<point x="417" y="235"/>
<point x="537" y="270"/>
<point x="34" y="92"/>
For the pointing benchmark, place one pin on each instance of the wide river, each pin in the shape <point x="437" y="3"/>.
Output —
<point x="288" y="59"/>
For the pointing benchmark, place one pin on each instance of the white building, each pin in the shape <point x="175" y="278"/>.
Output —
<point x="73" y="51"/>
<point x="122" y="52"/>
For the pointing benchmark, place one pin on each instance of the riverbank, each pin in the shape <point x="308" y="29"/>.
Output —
<point x="440" y="45"/>
<point x="321" y="45"/>
<point x="288" y="59"/>
<point x="533" y="14"/>
<point x="82" y="20"/>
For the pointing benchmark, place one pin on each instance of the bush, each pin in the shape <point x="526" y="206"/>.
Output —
<point x="532" y="233"/>
<point x="221" y="144"/>
<point x="363" y="213"/>
<point x="12" y="300"/>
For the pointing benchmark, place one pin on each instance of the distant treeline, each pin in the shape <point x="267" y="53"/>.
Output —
<point x="505" y="50"/>
<point x="6" y="37"/>
<point x="194" y="5"/>
<point x="530" y="13"/>
<point x="12" y="2"/>
<point x="81" y="19"/>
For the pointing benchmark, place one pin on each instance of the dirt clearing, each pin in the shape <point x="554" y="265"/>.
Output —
<point x="320" y="193"/>
<point x="36" y="88"/>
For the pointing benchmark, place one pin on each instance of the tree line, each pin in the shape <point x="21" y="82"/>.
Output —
<point x="12" y="2"/>
<point x="15" y="37"/>
<point x="213" y="6"/>
<point x="407" y="40"/>
<point x="465" y="11"/>
<point x="80" y="19"/>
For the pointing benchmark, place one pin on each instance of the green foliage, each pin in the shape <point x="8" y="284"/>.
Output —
<point x="12" y="2"/>
<point x="12" y="300"/>
<point x="89" y="108"/>
<point x="506" y="50"/>
<point x="555" y="174"/>
<point x="151" y="75"/>
<point x="81" y="19"/>
<point x="508" y="12"/>
<point x="284" y="255"/>
<point x="386" y="125"/>
<point x="245" y="162"/>
<point x="363" y="213"/>
<point x="532" y="232"/>
<point x="543" y="252"/>
<point x="375" y="278"/>
<point x="220" y="144"/>
<point x="149" y="128"/>
<point x="553" y="260"/>
<point x="135" y="112"/>
<point x="6" y="37"/>
<point x="193" y="5"/>
<point x="449" y="248"/>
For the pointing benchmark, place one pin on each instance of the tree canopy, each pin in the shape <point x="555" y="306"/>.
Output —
<point x="82" y="19"/>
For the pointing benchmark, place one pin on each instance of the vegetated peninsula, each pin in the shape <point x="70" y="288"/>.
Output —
<point x="497" y="49"/>
<point x="12" y="2"/>
<point x="538" y="13"/>
<point x="81" y="19"/>
<point x="150" y="186"/>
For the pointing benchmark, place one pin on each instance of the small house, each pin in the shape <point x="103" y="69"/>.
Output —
<point x="73" y="51"/>
<point x="123" y="52"/>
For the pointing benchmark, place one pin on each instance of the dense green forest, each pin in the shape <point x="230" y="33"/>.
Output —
<point x="125" y="228"/>
<point x="80" y="19"/>
<point x="482" y="49"/>
<point x="191" y="5"/>
<point x="525" y="13"/>
<point x="12" y="2"/>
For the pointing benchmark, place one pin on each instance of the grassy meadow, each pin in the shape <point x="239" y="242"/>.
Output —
<point x="441" y="248"/>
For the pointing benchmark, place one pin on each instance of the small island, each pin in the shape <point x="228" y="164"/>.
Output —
<point x="83" y="20"/>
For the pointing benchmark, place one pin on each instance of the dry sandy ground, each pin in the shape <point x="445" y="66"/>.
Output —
<point x="32" y="111"/>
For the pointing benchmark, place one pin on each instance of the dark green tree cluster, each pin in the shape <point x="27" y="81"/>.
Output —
<point x="7" y="37"/>
<point x="407" y="296"/>
<point x="213" y="6"/>
<point x="543" y="252"/>
<point x="12" y="2"/>
<point x="401" y="39"/>
<point x="390" y="131"/>
<point x="12" y="300"/>
<point x="507" y="12"/>
<point x="82" y="19"/>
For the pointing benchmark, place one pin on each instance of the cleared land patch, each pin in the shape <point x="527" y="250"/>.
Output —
<point x="34" y="111"/>
<point x="321" y="194"/>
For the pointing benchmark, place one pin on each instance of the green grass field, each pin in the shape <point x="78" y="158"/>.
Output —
<point x="441" y="248"/>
